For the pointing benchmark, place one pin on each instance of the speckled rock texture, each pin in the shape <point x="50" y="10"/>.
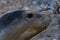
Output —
<point x="29" y="19"/>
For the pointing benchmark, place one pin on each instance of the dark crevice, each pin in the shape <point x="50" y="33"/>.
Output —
<point x="58" y="10"/>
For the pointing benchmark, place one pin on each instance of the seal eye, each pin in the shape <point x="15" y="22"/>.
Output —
<point x="29" y="15"/>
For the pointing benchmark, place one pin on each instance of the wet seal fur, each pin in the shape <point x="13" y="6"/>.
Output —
<point x="24" y="28"/>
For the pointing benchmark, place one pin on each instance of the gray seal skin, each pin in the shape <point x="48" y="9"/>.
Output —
<point x="22" y="25"/>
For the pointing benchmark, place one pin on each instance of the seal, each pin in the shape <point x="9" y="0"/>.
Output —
<point x="22" y="25"/>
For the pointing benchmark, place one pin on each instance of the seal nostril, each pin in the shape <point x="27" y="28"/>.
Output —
<point x="29" y="16"/>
